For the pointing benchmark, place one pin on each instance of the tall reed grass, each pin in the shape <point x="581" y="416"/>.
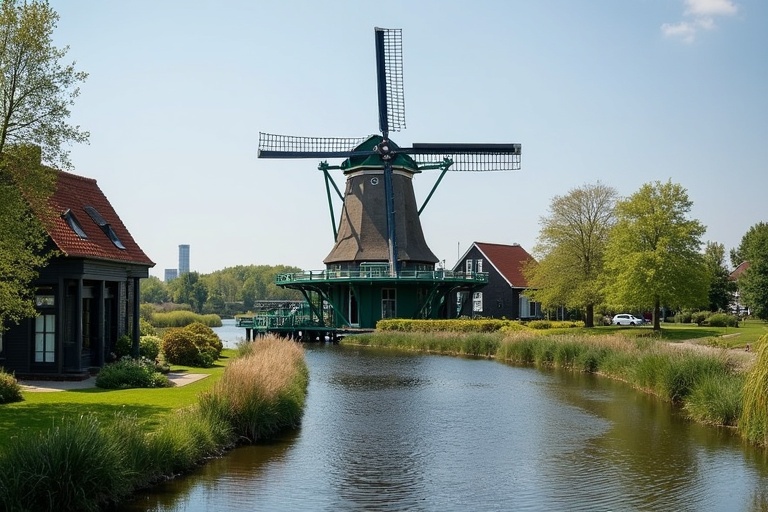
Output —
<point x="753" y="423"/>
<point x="181" y="318"/>
<point x="84" y="464"/>
<point x="263" y="390"/>
<point x="672" y="373"/>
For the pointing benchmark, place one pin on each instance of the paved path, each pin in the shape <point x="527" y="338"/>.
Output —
<point x="178" y="378"/>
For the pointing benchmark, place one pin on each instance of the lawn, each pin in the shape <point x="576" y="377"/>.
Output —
<point x="42" y="410"/>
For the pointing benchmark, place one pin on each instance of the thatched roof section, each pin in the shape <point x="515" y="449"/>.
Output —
<point x="362" y="235"/>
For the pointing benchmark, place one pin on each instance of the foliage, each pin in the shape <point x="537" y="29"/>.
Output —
<point x="453" y="325"/>
<point x="181" y="318"/>
<point x="716" y="400"/>
<point x="723" y="320"/>
<point x="131" y="373"/>
<point x="123" y="346"/>
<point x="208" y="336"/>
<point x="652" y="257"/>
<point x="10" y="391"/>
<point x="76" y="465"/>
<point x="570" y="249"/>
<point x="188" y="289"/>
<point x="146" y="328"/>
<point x="742" y="253"/>
<point x="262" y="391"/>
<point x="178" y="348"/>
<point x="24" y="188"/>
<point x="149" y="347"/>
<point x="753" y="423"/>
<point x="153" y="291"/>
<point x="37" y="89"/>
<point x="194" y="345"/>
<point x="89" y="462"/>
<point x="721" y="288"/>
<point x="753" y="283"/>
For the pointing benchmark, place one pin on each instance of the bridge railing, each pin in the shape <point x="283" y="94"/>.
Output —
<point x="346" y="275"/>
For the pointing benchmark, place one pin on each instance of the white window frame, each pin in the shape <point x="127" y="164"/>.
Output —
<point x="477" y="302"/>
<point x="468" y="266"/>
<point x="45" y="338"/>
<point x="479" y="266"/>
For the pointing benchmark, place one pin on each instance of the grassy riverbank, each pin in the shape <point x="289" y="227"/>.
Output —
<point x="706" y="382"/>
<point x="99" y="446"/>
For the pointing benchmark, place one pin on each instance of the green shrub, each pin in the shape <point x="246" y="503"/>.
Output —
<point x="190" y="347"/>
<point x="540" y="324"/>
<point x="123" y="346"/>
<point x="723" y="320"/>
<point x="699" y="317"/>
<point x="146" y="328"/>
<point x="207" y="338"/>
<point x="10" y="391"/>
<point x="149" y="347"/>
<point x="178" y="347"/>
<point x="131" y="373"/>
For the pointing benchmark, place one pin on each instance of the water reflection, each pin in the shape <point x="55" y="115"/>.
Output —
<point x="395" y="431"/>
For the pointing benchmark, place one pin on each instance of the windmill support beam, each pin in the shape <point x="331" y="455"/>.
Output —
<point x="434" y="187"/>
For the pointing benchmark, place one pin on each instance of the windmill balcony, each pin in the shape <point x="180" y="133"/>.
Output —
<point x="378" y="275"/>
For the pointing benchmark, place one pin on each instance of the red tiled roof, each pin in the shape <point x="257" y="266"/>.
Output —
<point x="736" y="274"/>
<point x="508" y="260"/>
<point x="75" y="193"/>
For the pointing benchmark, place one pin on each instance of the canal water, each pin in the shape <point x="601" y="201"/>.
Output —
<point x="393" y="431"/>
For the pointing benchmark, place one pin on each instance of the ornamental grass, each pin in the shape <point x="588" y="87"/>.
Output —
<point x="263" y="390"/>
<point x="753" y="423"/>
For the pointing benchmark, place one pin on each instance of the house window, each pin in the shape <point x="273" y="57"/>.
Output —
<point x="104" y="225"/>
<point x="469" y="266"/>
<point x="73" y="223"/>
<point x="45" y="334"/>
<point x="477" y="302"/>
<point x="479" y="265"/>
<point x="532" y="309"/>
<point x="388" y="303"/>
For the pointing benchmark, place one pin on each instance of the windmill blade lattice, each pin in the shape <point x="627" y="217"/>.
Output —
<point x="289" y="146"/>
<point x="389" y="71"/>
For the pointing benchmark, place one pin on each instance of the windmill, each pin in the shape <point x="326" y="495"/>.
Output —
<point x="379" y="223"/>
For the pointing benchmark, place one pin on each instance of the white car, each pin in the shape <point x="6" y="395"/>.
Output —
<point x="626" y="319"/>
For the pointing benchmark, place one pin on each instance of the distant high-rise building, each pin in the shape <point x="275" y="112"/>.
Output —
<point x="183" y="259"/>
<point x="171" y="274"/>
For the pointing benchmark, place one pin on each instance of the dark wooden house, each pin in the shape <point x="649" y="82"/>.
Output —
<point x="503" y="296"/>
<point x="87" y="296"/>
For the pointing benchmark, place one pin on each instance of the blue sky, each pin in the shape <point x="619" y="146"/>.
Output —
<point x="624" y="92"/>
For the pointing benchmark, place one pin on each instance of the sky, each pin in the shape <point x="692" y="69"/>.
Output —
<point x="623" y="93"/>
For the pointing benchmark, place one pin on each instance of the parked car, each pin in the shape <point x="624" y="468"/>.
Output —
<point x="627" y="319"/>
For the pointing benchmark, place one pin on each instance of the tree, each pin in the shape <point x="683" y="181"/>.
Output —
<point x="721" y="288"/>
<point x="753" y="283"/>
<point x="740" y="254"/>
<point x="570" y="249"/>
<point x="37" y="90"/>
<point x="652" y="256"/>
<point x="153" y="290"/>
<point x="36" y="94"/>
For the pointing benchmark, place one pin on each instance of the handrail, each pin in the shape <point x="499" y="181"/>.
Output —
<point x="346" y="275"/>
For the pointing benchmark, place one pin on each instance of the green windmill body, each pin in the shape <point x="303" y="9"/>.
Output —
<point x="380" y="265"/>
